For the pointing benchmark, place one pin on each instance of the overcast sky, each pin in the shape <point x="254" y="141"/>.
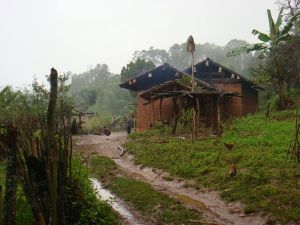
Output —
<point x="73" y="35"/>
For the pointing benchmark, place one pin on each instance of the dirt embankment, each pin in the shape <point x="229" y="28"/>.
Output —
<point x="214" y="210"/>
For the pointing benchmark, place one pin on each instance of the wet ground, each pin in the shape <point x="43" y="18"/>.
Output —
<point x="214" y="210"/>
<point x="128" y="216"/>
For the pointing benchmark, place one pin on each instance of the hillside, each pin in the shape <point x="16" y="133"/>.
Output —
<point x="266" y="181"/>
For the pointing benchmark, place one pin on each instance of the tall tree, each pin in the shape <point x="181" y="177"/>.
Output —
<point x="292" y="49"/>
<point x="180" y="58"/>
<point x="98" y="90"/>
<point x="269" y="46"/>
<point x="135" y="68"/>
<point x="157" y="56"/>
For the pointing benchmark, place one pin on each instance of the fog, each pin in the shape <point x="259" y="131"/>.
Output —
<point x="75" y="35"/>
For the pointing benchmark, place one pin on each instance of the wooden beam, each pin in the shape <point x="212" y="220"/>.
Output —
<point x="207" y="106"/>
<point x="213" y="112"/>
<point x="175" y="117"/>
<point x="152" y="113"/>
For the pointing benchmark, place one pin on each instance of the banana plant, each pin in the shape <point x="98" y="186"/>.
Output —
<point x="279" y="34"/>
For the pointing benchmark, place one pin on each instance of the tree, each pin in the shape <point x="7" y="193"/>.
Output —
<point x="269" y="47"/>
<point x="135" y="68"/>
<point x="290" y="8"/>
<point x="292" y="49"/>
<point x="157" y="56"/>
<point x="178" y="57"/>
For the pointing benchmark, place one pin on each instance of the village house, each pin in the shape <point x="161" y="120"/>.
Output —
<point x="219" y="93"/>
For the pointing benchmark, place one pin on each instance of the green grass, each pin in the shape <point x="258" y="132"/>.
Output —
<point x="142" y="197"/>
<point x="81" y="199"/>
<point x="102" y="167"/>
<point x="265" y="181"/>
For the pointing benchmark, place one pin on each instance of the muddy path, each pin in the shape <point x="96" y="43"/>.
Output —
<point x="214" y="210"/>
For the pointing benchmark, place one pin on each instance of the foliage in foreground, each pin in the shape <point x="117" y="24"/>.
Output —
<point x="152" y="204"/>
<point x="23" y="215"/>
<point x="82" y="205"/>
<point x="266" y="181"/>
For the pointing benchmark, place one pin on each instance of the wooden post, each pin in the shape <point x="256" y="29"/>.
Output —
<point x="175" y="117"/>
<point x="193" y="88"/>
<point x="193" y="72"/>
<point x="198" y="110"/>
<point x="218" y="113"/>
<point x="212" y="112"/>
<point x="194" y="122"/>
<point x="160" y="104"/>
<point x="152" y="109"/>
<point x="207" y="106"/>
<point x="52" y="148"/>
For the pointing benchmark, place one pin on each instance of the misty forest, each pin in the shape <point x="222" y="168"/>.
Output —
<point x="196" y="133"/>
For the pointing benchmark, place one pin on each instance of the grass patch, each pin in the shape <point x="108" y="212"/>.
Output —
<point x="265" y="181"/>
<point x="142" y="197"/>
<point x="102" y="167"/>
<point x="85" y="207"/>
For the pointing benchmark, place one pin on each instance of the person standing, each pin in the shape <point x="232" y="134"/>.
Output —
<point x="128" y="124"/>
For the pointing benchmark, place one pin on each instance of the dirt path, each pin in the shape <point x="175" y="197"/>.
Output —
<point x="209" y="203"/>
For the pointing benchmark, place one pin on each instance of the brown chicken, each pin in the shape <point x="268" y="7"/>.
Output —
<point x="229" y="146"/>
<point x="232" y="170"/>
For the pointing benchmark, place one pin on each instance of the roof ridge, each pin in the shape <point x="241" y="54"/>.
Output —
<point x="225" y="68"/>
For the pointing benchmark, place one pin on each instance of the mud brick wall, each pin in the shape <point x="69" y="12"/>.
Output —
<point x="233" y="106"/>
<point x="144" y="112"/>
<point x="239" y="106"/>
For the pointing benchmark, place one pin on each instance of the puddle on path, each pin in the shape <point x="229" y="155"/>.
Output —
<point x="114" y="202"/>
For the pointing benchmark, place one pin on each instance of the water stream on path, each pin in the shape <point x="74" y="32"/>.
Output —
<point x="114" y="202"/>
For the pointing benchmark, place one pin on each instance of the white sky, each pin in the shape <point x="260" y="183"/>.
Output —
<point x="72" y="35"/>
